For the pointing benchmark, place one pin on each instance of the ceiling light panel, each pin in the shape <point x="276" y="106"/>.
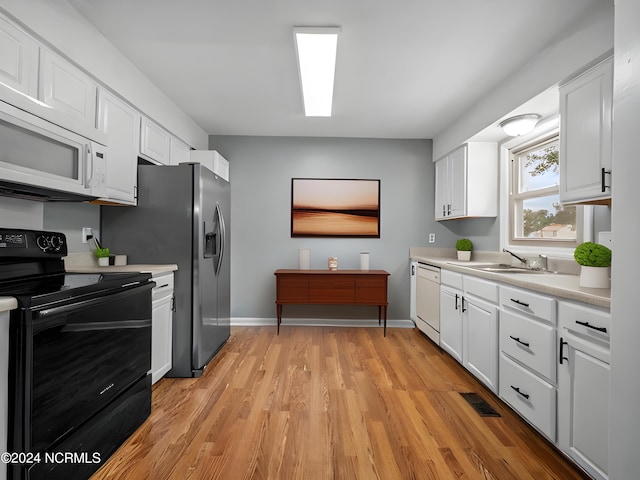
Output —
<point x="316" y="49"/>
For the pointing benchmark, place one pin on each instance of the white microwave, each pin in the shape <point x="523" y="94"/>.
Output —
<point x="40" y="160"/>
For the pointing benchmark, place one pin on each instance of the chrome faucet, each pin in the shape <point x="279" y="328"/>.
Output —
<point x="522" y="259"/>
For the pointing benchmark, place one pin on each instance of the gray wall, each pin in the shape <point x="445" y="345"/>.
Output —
<point x="261" y="169"/>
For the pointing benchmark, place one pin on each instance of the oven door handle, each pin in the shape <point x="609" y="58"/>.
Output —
<point x="55" y="316"/>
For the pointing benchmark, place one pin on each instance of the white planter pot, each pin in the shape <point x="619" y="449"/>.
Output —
<point x="103" y="261"/>
<point x="594" y="277"/>
<point x="464" y="256"/>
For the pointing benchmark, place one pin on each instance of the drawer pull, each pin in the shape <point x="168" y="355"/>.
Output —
<point x="517" y="389"/>
<point x="165" y="285"/>
<point x="520" y="303"/>
<point x="517" y="339"/>
<point x="562" y="357"/>
<point x="456" y="301"/>
<point x="587" y="324"/>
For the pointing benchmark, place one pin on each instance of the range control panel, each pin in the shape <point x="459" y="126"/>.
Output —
<point x="31" y="243"/>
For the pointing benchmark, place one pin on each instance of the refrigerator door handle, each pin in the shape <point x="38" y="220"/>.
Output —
<point x="222" y="234"/>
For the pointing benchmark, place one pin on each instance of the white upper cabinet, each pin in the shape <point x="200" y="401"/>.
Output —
<point x="66" y="88"/>
<point x="180" y="151"/>
<point x="585" y="136"/>
<point x="122" y="125"/>
<point x="155" y="142"/>
<point x="466" y="182"/>
<point x="18" y="59"/>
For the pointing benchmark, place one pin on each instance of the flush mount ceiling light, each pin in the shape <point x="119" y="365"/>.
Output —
<point x="520" y="124"/>
<point x="316" y="51"/>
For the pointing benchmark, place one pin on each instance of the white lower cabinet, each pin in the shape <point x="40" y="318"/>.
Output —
<point x="161" y="326"/>
<point x="583" y="383"/>
<point x="528" y="335"/>
<point x="469" y="324"/>
<point x="480" y="326"/>
<point x="451" y="321"/>
<point x="529" y="395"/>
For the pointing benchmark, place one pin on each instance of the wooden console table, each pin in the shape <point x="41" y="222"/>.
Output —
<point x="326" y="287"/>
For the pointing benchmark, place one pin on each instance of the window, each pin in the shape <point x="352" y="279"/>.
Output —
<point x="537" y="217"/>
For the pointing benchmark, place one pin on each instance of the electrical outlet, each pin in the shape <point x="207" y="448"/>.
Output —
<point x="432" y="238"/>
<point x="87" y="233"/>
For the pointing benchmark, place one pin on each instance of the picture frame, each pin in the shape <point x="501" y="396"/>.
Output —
<point x="335" y="207"/>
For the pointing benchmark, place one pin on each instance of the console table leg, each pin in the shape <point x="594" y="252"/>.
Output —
<point x="279" y="317"/>
<point x="385" y="321"/>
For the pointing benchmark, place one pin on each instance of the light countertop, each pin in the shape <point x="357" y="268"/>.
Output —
<point x="562" y="285"/>
<point x="7" y="303"/>
<point x="87" y="263"/>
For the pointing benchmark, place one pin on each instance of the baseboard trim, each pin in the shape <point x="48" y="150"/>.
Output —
<point x="318" y="322"/>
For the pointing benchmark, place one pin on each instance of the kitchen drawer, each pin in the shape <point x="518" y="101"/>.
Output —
<point x="452" y="279"/>
<point x="585" y="320"/>
<point x="530" y="342"/>
<point x="164" y="286"/>
<point x="534" y="398"/>
<point x="524" y="301"/>
<point x="481" y="288"/>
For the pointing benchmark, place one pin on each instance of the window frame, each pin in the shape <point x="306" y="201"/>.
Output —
<point x="584" y="213"/>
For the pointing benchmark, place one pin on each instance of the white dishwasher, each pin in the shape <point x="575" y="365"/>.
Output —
<point x="428" y="301"/>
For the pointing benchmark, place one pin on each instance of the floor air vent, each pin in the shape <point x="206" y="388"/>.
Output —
<point x="479" y="405"/>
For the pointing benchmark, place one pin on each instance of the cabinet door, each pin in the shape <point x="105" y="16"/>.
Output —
<point x="480" y="324"/>
<point x="441" y="189"/>
<point x="458" y="182"/>
<point x="180" y="152"/>
<point x="451" y="321"/>
<point x="585" y="135"/>
<point x="67" y="89"/>
<point x="155" y="142"/>
<point x="583" y="393"/>
<point x="161" y="337"/>
<point x="122" y="124"/>
<point x="18" y="59"/>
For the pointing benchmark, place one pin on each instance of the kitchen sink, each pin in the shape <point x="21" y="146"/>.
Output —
<point x="503" y="268"/>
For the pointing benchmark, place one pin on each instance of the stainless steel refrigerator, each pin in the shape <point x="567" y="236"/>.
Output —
<point x="182" y="217"/>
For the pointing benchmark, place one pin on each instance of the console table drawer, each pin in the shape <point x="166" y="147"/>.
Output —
<point x="332" y="290"/>
<point x="292" y="289"/>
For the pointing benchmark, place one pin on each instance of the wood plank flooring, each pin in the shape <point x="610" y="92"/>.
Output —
<point x="331" y="403"/>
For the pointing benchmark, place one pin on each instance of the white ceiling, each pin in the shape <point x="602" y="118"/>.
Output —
<point x="405" y="68"/>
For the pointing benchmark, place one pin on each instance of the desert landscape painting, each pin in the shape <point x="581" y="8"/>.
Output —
<point x="326" y="207"/>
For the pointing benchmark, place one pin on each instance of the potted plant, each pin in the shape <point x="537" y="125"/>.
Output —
<point x="464" y="247"/>
<point x="595" y="260"/>
<point x="102" y="254"/>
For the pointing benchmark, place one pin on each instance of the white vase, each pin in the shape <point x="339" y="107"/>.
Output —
<point x="464" y="255"/>
<point x="594" y="277"/>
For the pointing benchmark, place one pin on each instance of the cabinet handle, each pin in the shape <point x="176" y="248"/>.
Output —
<point x="456" y="301"/>
<point x="587" y="324"/>
<point x="444" y="211"/>
<point x="519" y="302"/>
<point x="517" y="339"/>
<point x="604" y="172"/>
<point x="448" y="209"/>
<point x="562" y="357"/>
<point x="517" y="389"/>
<point x="463" y="309"/>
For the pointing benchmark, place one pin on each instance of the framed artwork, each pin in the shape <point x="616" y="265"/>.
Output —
<point x="330" y="207"/>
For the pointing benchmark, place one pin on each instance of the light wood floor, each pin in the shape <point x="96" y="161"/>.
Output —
<point x="330" y="403"/>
